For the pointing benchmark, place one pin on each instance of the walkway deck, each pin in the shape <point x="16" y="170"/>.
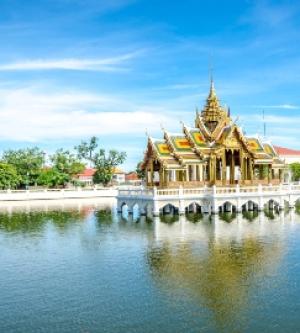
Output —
<point x="209" y="199"/>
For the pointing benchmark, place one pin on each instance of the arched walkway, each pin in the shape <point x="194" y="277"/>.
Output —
<point x="227" y="207"/>
<point x="194" y="207"/>
<point x="272" y="205"/>
<point x="169" y="209"/>
<point x="250" y="206"/>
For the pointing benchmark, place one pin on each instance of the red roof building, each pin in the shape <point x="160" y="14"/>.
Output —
<point x="132" y="176"/>
<point x="87" y="173"/>
<point x="288" y="155"/>
<point x="86" y="176"/>
<point x="281" y="151"/>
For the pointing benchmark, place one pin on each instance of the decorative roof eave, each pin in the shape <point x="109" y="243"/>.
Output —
<point x="269" y="143"/>
<point x="171" y="146"/>
<point x="202" y="127"/>
<point x="217" y="139"/>
<point x="191" y="141"/>
<point x="242" y="138"/>
<point x="145" y="159"/>
<point x="215" y="135"/>
<point x="156" y="156"/>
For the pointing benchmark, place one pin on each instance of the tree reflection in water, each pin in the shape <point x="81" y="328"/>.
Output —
<point x="227" y="216"/>
<point x="250" y="215"/>
<point x="35" y="221"/>
<point x="219" y="275"/>
<point x="194" y="217"/>
<point x="169" y="218"/>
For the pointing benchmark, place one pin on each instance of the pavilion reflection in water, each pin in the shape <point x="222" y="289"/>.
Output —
<point x="216" y="264"/>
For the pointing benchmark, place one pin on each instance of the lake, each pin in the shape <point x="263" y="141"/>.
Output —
<point x="77" y="266"/>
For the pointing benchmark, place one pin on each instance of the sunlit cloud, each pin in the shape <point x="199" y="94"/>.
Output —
<point x="110" y="64"/>
<point x="30" y="116"/>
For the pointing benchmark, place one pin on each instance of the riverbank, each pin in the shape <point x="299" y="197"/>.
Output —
<point x="57" y="194"/>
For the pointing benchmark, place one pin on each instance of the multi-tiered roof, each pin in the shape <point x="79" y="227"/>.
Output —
<point x="214" y="130"/>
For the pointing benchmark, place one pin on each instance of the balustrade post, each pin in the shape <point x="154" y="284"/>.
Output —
<point x="154" y="191"/>
<point x="180" y="191"/>
<point x="155" y="202"/>
<point x="214" y="206"/>
<point x="214" y="190"/>
<point x="260" y="197"/>
<point x="181" y="201"/>
<point x="238" y="206"/>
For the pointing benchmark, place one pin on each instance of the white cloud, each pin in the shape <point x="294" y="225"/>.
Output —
<point x="279" y="106"/>
<point x="110" y="64"/>
<point x="275" y="119"/>
<point x="27" y="115"/>
<point x="268" y="14"/>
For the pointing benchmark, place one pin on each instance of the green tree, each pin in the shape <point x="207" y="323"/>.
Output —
<point x="9" y="177"/>
<point x="295" y="168"/>
<point x="52" y="178"/>
<point x="140" y="172"/>
<point x="27" y="162"/>
<point x="64" y="166"/>
<point x="86" y="150"/>
<point x="103" y="162"/>
<point x="66" y="163"/>
<point x="105" y="165"/>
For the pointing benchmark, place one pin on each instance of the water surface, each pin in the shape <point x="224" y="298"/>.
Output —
<point x="79" y="268"/>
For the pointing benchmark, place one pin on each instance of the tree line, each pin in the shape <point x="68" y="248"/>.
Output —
<point x="22" y="168"/>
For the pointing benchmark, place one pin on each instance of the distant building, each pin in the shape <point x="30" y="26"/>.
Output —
<point x="289" y="156"/>
<point x="132" y="178"/>
<point x="86" y="176"/>
<point x="118" y="176"/>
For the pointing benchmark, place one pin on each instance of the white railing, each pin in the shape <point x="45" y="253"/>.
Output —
<point x="52" y="194"/>
<point x="214" y="190"/>
<point x="135" y="192"/>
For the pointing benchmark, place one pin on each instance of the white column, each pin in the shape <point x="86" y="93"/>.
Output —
<point x="174" y="175"/>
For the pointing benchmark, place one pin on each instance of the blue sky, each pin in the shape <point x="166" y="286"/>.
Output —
<point x="70" y="69"/>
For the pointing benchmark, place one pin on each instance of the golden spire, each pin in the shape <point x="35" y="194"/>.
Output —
<point x="212" y="112"/>
<point x="212" y="90"/>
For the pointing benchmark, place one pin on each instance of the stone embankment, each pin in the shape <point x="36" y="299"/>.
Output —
<point x="57" y="194"/>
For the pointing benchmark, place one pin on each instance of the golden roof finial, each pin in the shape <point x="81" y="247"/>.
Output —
<point x="212" y="90"/>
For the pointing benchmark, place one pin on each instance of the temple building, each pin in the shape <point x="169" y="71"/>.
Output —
<point x="213" y="152"/>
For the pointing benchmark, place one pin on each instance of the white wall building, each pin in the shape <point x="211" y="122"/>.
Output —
<point x="289" y="156"/>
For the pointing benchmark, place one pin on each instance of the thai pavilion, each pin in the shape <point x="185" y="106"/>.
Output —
<point x="214" y="152"/>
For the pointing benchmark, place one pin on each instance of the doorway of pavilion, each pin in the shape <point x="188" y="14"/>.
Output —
<point x="154" y="174"/>
<point x="232" y="170"/>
